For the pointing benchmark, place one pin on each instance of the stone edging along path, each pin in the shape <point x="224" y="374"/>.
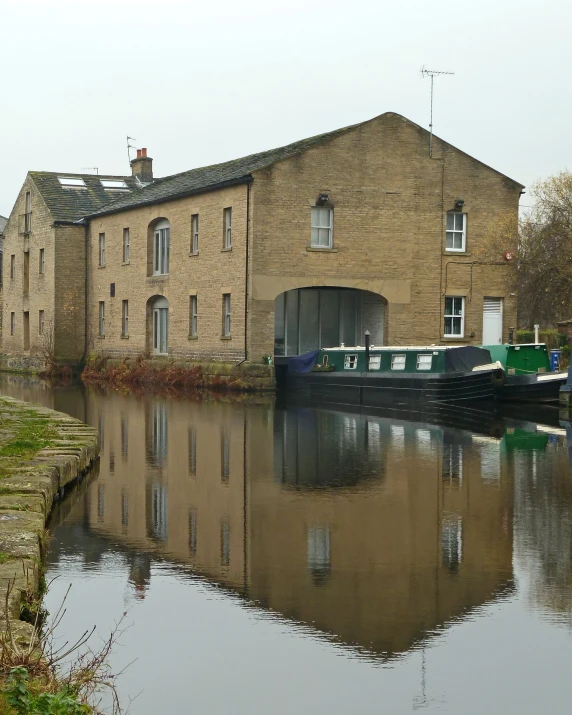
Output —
<point x="41" y="451"/>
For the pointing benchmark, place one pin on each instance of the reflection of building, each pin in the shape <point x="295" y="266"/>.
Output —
<point x="406" y="527"/>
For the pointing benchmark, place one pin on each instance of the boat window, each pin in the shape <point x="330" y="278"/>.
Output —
<point x="325" y="360"/>
<point x="424" y="362"/>
<point x="398" y="362"/>
<point x="374" y="362"/>
<point x="350" y="362"/>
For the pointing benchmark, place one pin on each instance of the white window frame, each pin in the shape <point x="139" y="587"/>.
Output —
<point x="195" y="234"/>
<point x="227" y="228"/>
<point x="101" y="318"/>
<point x="350" y="361"/>
<point x="456" y="232"/>
<point x="126" y="245"/>
<point x="424" y="355"/>
<point x="124" y="318"/>
<point x="41" y="322"/>
<point x="102" y="249"/>
<point x="395" y="365"/>
<point x="375" y="362"/>
<point x="226" y="316"/>
<point x="161" y="248"/>
<point x="193" y="322"/>
<point x="42" y="267"/>
<point x="453" y="315"/>
<point x="318" y="229"/>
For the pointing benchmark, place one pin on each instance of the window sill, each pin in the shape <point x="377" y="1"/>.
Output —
<point x="195" y="253"/>
<point x="158" y="277"/>
<point x="126" y="263"/>
<point x="101" y="337"/>
<point x="192" y="337"/>
<point x="226" y="337"/>
<point x="320" y="249"/>
<point x="124" y="337"/>
<point x="226" y="250"/>
<point x="447" y="252"/>
<point x="455" y="338"/>
<point x="103" y="266"/>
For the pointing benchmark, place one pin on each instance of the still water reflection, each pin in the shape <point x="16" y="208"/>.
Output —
<point x="293" y="560"/>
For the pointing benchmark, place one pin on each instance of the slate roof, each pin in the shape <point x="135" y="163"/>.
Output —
<point x="215" y="176"/>
<point x="3" y="222"/>
<point x="70" y="204"/>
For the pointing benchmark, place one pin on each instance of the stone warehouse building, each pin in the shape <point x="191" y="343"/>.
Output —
<point x="284" y="251"/>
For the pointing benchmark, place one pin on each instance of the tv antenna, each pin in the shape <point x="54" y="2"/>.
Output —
<point x="129" y="146"/>
<point x="91" y="168"/>
<point x="432" y="74"/>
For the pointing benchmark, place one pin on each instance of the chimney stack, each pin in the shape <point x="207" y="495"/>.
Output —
<point x="142" y="167"/>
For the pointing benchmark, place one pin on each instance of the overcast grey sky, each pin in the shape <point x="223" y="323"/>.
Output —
<point x="202" y="82"/>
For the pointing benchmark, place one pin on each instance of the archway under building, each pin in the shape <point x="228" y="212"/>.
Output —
<point x="311" y="318"/>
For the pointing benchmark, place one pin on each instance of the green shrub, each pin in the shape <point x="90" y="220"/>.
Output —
<point x="25" y="702"/>
<point x="553" y="339"/>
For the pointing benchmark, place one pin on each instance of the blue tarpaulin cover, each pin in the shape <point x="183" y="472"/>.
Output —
<point x="303" y="363"/>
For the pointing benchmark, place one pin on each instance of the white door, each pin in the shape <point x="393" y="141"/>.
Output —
<point x="492" y="321"/>
<point x="160" y="330"/>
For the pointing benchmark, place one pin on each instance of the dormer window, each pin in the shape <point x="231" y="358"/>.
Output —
<point x="71" y="182"/>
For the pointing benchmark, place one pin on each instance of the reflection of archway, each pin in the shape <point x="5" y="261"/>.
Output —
<point x="158" y="325"/>
<point x="321" y="317"/>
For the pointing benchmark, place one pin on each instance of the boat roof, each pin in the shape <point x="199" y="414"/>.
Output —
<point x="393" y="348"/>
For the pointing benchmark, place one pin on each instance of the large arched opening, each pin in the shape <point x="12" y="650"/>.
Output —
<point x="307" y="319"/>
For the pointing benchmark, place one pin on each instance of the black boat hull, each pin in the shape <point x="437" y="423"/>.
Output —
<point x="531" y="388"/>
<point x="391" y="390"/>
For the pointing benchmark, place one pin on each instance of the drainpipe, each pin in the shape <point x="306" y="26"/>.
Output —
<point x="246" y="272"/>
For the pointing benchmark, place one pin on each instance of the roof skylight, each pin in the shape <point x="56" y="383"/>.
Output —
<point x="117" y="184"/>
<point x="72" y="182"/>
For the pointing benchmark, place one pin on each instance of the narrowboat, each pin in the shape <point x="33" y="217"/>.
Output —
<point x="394" y="376"/>
<point x="528" y="374"/>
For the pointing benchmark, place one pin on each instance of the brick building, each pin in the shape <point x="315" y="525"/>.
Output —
<point x="303" y="246"/>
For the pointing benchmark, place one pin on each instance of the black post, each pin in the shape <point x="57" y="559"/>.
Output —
<point x="511" y="336"/>
<point x="367" y="350"/>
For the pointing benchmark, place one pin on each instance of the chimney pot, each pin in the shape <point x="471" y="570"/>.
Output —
<point x="142" y="166"/>
<point x="138" y="153"/>
<point x="144" y="151"/>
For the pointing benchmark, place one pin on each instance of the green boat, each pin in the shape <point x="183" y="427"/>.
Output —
<point x="528" y="374"/>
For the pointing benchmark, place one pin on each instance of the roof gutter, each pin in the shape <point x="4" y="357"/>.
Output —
<point x="247" y="178"/>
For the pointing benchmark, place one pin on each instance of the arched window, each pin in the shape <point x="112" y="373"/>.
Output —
<point x="160" y="308"/>
<point x="161" y="239"/>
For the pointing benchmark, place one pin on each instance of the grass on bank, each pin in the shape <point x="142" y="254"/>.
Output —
<point x="24" y="434"/>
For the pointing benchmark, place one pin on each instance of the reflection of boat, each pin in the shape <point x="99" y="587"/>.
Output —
<point x="396" y="375"/>
<point x="528" y="375"/>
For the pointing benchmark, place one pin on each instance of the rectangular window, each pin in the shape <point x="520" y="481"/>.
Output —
<point x="452" y="542"/>
<point x="454" y="317"/>
<point x="28" y="214"/>
<point x="456" y="230"/>
<point x="101" y="249"/>
<point x="374" y="362"/>
<point x="322" y="220"/>
<point x="125" y="245"/>
<point x="350" y="362"/>
<point x="195" y="233"/>
<point x="40" y="322"/>
<point x="227" y="242"/>
<point x="13" y="266"/>
<point x="161" y="252"/>
<point x="102" y="317"/>
<point x="226" y="315"/>
<point x="398" y="362"/>
<point x="42" y="263"/>
<point x="125" y="318"/>
<point x="12" y="323"/>
<point x="424" y="362"/>
<point x="193" y="316"/>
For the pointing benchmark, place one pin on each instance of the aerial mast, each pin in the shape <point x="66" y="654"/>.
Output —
<point x="432" y="74"/>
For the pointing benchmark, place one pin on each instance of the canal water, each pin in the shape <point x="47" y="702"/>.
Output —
<point x="283" y="559"/>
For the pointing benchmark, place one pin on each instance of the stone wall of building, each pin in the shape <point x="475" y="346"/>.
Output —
<point x="69" y="323"/>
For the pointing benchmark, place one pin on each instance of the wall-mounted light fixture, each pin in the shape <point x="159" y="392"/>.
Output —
<point x="322" y="199"/>
<point x="459" y="203"/>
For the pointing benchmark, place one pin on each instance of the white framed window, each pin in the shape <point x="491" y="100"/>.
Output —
<point x="125" y="318"/>
<point x="398" y="362"/>
<point x="40" y="322"/>
<point x="374" y="362"/>
<point x="101" y="249"/>
<point x="42" y="262"/>
<point x="28" y="214"/>
<point x="193" y="316"/>
<point x="455" y="238"/>
<point x="322" y="224"/>
<point x="350" y="362"/>
<point x="195" y="233"/>
<point x="454" y="317"/>
<point x="71" y="182"/>
<point x="12" y="323"/>
<point x="226" y="315"/>
<point x="424" y="361"/>
<point x="102" y="317"/>
<point x="227" y="239"/>
<point x="126" y="240"/>
<point x="161" y="241"/>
